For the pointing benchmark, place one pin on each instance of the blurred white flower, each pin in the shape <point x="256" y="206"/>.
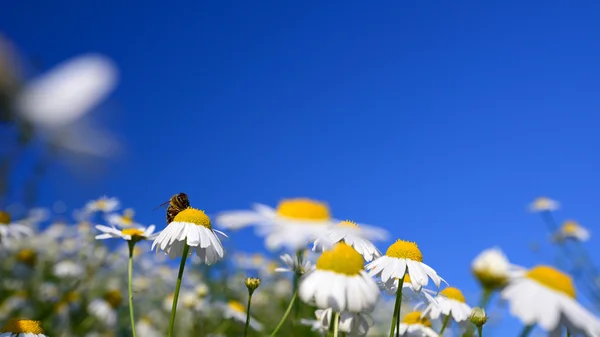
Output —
<point x="103" y="204"/>
<point x="123" y="220"/>
<point x="145" y="328"/>
<point x="450" y="301"/>
<point x="357" y="236"/>
<point x="237" y="311"/>
<point x="105" y="308"/>
<point x="293" y="264"/>
<point x="11" y="231"/>
<point x="354" y="324"/>
<point x="127" y="233"/>
<point x="68" y="268"/>
<point x="572" y="230"/>
<point x="543" y="204"/>
<point x="491" y="268"/>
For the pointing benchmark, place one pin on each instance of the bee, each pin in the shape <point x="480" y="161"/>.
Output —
<point x="177" y="203"/>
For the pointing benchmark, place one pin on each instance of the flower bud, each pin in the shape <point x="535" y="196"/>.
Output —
<point x="252" y="283"/>
<point x="478" y="317"/>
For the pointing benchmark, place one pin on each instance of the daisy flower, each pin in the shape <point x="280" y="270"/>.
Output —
<point x="546" y="297"/>
<point x="491" y="268"/>
<point x="404" y="258"/>
<point x="122" y="220"/>
<point x="414" y="324"/>
<point x="67" y="268"/>
<point x="408" y="290"/>
<point x="450" y="301"/>
<point x="544" y="204"/>
<point x="192" y="227"/>
<point x="128" y="234"/>
<point x="357" y="236"/>
<point x="292" y="225"/>
<point x="572" y="230"/>
<point x="10" y="231"/>
<point x="104" y="204"/>
<point x="105" y="308"/>
<point x="237" y="311"/>
<point x="294" y="264"/>
<point x="340" y="282"/>
<point x="22" y="328"/>
<point x="145" y="328"/>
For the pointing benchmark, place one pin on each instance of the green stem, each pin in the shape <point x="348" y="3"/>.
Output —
<point x="336" y="324"/>
<point x="526" y="330"/>
<point x="568" y="333"/>
<point x="480" y="330"/>
<point x="285" y="315"/>
<point x="186" y="248"/>
<point x="397" y="304"/>
<point x="223" y="327"/>
<point x="446" y="320"/>
<point x="485" y="298"/>
<point x="129" y="285"/>
<point x="248" y="314"/>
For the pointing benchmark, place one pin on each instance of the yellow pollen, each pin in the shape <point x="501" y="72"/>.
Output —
<point x="4" y="218"/>
<point x="553" y="279"/>
<point x="27" y="256"/>
<point x="342" y="259"/>
<point x="405" y="250"/>
<point x="113" y="298"/>
<point x="303" y="209"/>
<point x="348" y="223"/>
<point x="195" y="216"/>
<point x="454" y="294"/>
<point x="132" y="232"/>
<point x="570" y="227"/>
<point x="236" y="306"/>
<point x="18" y="326"/>
<point x="415" y="318"/>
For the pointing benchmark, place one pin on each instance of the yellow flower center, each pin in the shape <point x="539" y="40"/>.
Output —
<point x="342" y="259"/>
<point x="113" y="298"/>
<point x="236" y="306"/>
<point x="195" y="216"/>
<point x="303" y="209"/>
<point x="127" y="217"/>
<point x="553" y="279"/>
<point x="133" y="232"/>
<point x="348" y="223"/>
<point x="72" y="296"/>
<point x="570" y="227"/>
<point x="415" y="318"/>
<point x="27" y="256"/>
<point x="405" y="250"/>
<point x="4" y="218"/>
<point x="453" y="293"/>
<point x="23" y="326"/>
<point x="101" y="204"/>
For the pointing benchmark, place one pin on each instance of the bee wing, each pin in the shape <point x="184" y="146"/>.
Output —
<point x="162" y="205"/>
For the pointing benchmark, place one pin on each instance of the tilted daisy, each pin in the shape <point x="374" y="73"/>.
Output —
<point x="414" y="324"/>
<point x="122" y="220"/>
<point x="294" y="224"/>
<point x="545" y="296"/>
<point x="408" y="290"/>
<point x="128" y="234"/>
<point x="22" y="328"/>
<point x="191" y="226"/>
<point x="104" y="204"/>
<point x="544" y="204"/>
<point x="449" y="302"/>
<point x="294" y="264"/>
<point x="491" y="268"/>
<point x="10" y="230"/>
<point x="404" y="257"/>
<point x="357" y="236"/>
<point x="105" y="308"/>
<point x="340" y="282"/>
<point x="237" y="311"/>
<point x="573" y="231"/>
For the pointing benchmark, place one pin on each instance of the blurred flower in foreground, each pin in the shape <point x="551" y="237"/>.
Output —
<point x="104" y="204"/>
<point x="294" y="224"/>
<point x="413" y="325"/>
<point x="191" y="226"/>
<point x="572" y="230"/>
<point x="404" y="257"/>
<point x="236" y="311"/>
<point x="545" y="296"/>
<point x="22" y="328"/>
<point x="340" y="282"/>
<point x="293" y="264"/>
<point x="354" y="324"/>
<point x="491" y="268"/>
<point x="145" y="328"/>
<point x="450" y="301"/>
<point x="357" y="236"/>
<point x="543" y="204"/>
<point x="10" y="231"/>
<point x="105" y="308"/>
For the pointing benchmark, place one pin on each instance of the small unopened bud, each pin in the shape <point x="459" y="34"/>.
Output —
<point x="252" y="283"/>
<point x="478" y="317"/>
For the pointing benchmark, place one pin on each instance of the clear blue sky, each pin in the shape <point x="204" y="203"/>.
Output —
<point x="437" y="120"/>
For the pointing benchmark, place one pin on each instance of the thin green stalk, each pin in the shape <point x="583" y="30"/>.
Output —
<point x="336" y="324"/>
<point x="186" y="248"/>
<point x="480" y="330"/>
<point x="568" y="333"/>
<point x="285" y="315"/>
<point x="526" y="330"/>
<point x="248" y="315"/>
<point x="397" y="304"/>
<point x="446" y="320"/>
<point x="485" y="298"/>
<point x="129" y="286"/>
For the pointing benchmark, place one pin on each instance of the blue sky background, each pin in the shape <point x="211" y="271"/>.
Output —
<point x="439" y="121"/>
